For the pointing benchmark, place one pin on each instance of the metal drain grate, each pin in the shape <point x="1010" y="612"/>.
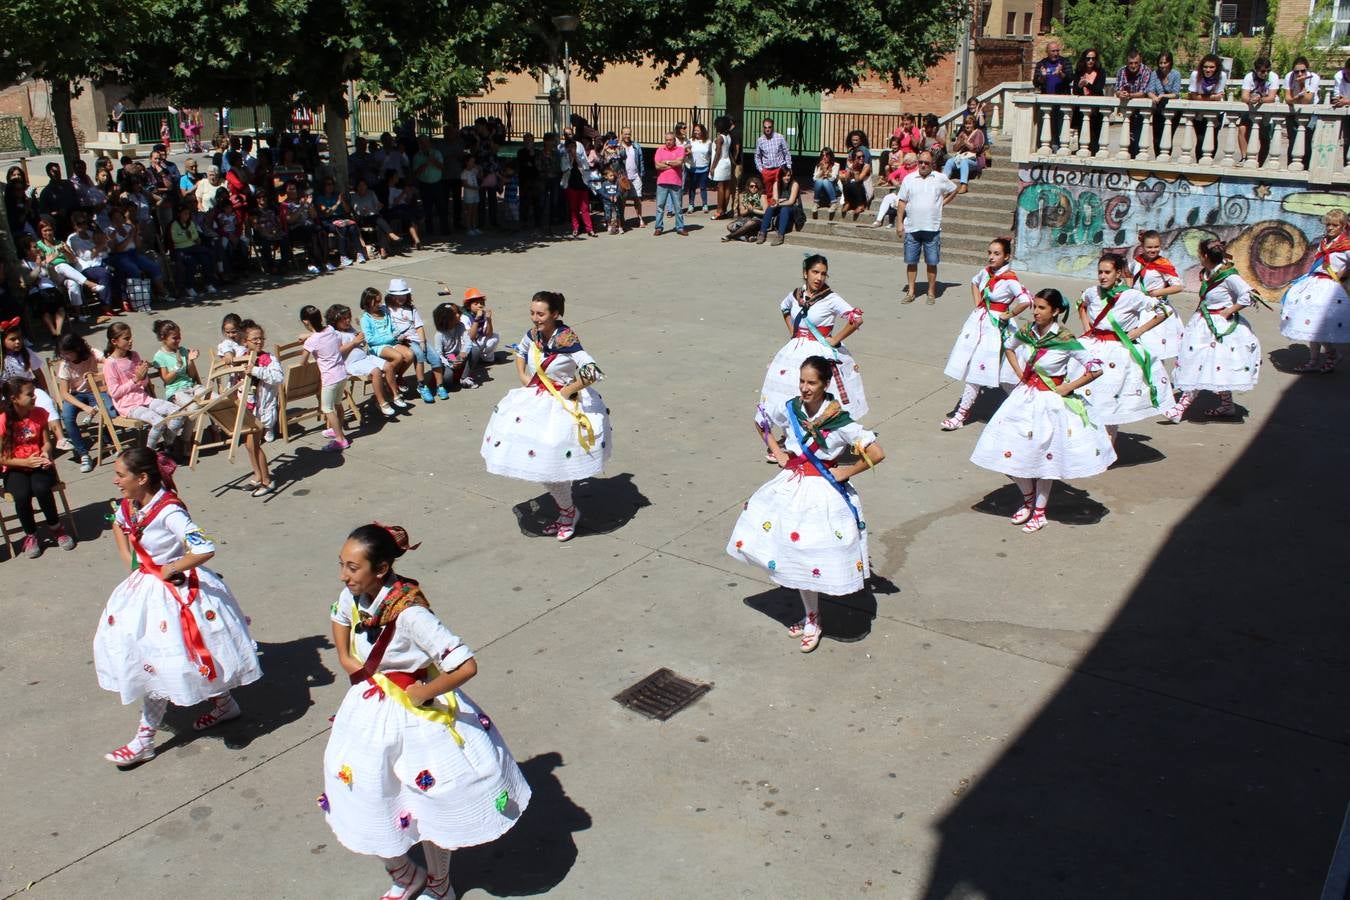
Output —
<point x="661" y="694"/>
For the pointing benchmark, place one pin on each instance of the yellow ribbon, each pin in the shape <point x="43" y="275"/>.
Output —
<point x="585" y="432"/>
<point x="862" y="452"/>
<point x="444" y="717"/>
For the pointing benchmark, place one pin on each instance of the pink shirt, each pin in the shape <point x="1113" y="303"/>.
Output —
<point x="673" y="177"/>
<point x="326" y="348"/>
<point x="127" y="393"/>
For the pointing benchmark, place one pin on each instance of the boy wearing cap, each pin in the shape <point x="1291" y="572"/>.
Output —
<point x="483" y="337"/>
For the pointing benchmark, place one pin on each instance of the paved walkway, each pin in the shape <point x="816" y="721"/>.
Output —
<point x="1146" y="699"/>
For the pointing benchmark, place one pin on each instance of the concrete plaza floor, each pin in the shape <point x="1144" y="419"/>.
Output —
<point x="1148" y="698"/>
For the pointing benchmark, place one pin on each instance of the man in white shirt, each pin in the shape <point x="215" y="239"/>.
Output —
<point x="918" y="220"/>
<point x="1259" y="86"/>
<point x="1302" y="84"/>
<point x="1341" y="99"/>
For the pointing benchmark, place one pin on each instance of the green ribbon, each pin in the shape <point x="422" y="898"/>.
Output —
<point x="1142" y="358"/>
<point x="1054" y="341"/>
<point x="1215" y="279"/>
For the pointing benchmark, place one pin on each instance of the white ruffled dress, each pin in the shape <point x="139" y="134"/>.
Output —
<point x="798" y="528"/>
<point x="1121" y="395"/>
<point x="1316" y="308"/>
<point x="534" y="437"/>
<point x="1163" y="341"/>
<point x="143" y="644"/>
<point x="977" y="356"/>
<point x="782" y="379"/>
<point x="1220" y="362"/>
<point x="392" y="778"/>
<point x="1034" y="434"/>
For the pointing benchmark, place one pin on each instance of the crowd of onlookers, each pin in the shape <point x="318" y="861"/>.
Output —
<point x="1208" y="82"/>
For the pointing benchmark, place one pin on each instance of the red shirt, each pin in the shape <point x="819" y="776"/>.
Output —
<point x="28" y="436"/>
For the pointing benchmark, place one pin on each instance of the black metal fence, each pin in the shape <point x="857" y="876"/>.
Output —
<point x="806" y="130"/>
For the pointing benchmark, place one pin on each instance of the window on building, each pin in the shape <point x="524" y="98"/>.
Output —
<point x="1026" y="23"/>
<point x="1340" y="23"/>
<point x="1011" y="27"/>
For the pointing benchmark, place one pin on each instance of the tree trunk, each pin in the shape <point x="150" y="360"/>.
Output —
<point x="450" y="113"/>
<point x="65" y="124"/>
<point x="335" y="129"/>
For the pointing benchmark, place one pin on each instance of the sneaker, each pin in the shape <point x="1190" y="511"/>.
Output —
<point x="329" y="267"/>
<point x="211" y="289"/>
<point x="32" y="548"/>
<point x="425" y="393"/>
<point x="329" y="433"/>
<point x="441" y="393"/>
<point x="86" y="418"/>
<point x="336" y="446"/>
<point x="192" y="294"/>
<point x="64" y="444"/>
<point x="86" y="464"/>
<point x="98" y="289"/>
<point x="400" y="403"/>
<point x="361" y="258"/>
<point x="269" y="435"/>
<point x="467" y="382"/>
<point x="63" y="540"/>
<point x="345" y="262"/>
<point x="313" y="270"/>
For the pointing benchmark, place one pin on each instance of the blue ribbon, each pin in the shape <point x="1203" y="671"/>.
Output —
<point x="819" y="466"/>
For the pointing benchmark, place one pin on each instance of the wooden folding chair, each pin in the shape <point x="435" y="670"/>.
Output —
<point x="111" y="421"/>
<point x="301" y="381"/>
<point x="9" y="519"/>
<point x="228" y="385"/>
<point x="54" y="388"/>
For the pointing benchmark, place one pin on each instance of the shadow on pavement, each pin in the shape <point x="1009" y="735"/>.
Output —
<point x="534" y="856"/>
<point x="845" y="619"/>
<point x="1201" y="748"/>
<point x="606" y="504"/>
<point x="1067" y="504"/>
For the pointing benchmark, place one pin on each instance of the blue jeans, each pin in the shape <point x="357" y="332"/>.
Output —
<point x="134" y="264"/>
<point x="427" y="356"/>
<point x="930" y="242"/>
<point x="954" y="164"/>
<point x="825" y="192"/>
<point x="69" y="411"/>
<point x="783" y="214"/>
<point x="697" y="180"/>
<point x="669" y="195"/>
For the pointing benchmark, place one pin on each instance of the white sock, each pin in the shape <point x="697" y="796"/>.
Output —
<point x="438" y="870"/>
<point x="967" y="399"/>
<point x="811" y="603"/>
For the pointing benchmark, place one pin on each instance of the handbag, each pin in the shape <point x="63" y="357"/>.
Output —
<point x="624" y="184"/>
<point x="139" y="292"/>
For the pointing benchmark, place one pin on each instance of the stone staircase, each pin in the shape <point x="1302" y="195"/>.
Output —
<point x="986" y="211"/>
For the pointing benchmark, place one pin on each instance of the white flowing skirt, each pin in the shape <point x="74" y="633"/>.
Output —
<point x="139" y="649"/>
<point x="1316" y="309"/>
<point x="977" y="356"/>
<point x="391" y="778"/>
<point x="1208" y="364"/>
<point x="1164" y="341"/>
<point x="1034" y="435"/>
<point x="532" y="437"/>
<point x="1120" y="395"/>
<point x="799" y="529"/>
<point x="782" y="380"/>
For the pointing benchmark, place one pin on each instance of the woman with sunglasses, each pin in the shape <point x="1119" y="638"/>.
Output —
<point x="1089" y="80"/>
<point x="335" y="215"/>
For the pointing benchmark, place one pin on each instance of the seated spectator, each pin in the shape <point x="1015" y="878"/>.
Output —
<point x="335" y="217"/>
<point x="359" y="363"/>
<point x="967" y="154"/>
<point x="26" y="459"/>
<point x="78" y="361"/>
<point x="175" y="364"/>
<point x="230" y="242"/>
<point x="933" y="141"/>
<point x="857" y="140"/>
<point x="856" y="178"/>
<point x="128" y="380"/>
<point x="190" y="253"/>
<point x="402" y="209"/>
<point x="366" y="206"/>
<point x="126" y="258"/>
<point x="206" y="190"/>
<point x="749" y="210"/>
<point x="383" y="340"/>
<point x="59" y="198"/>
<point x="269" y="236"/>
<point x="39" y="281"/>
<point x="90" y="246"/>
<point x="302" y="229"/>
<point x="782" y="207"/>
<point x="887" y="209"/>
<point x="63" y="263"/>
<point x="826" y="179"/>
<point x="911" y="137"/>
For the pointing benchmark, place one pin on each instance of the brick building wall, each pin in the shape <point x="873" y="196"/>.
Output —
<point x="876" y="95"/>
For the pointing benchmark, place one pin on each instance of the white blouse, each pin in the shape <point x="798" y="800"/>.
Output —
<point x="563" y="369"/>
<point x="823" y="313"/>
<point x="836" y="442"/>
<point x="1009" y="290"/>
<point x="1227" y="292"/>
<point x="1054" y="362"/>
<point x="170" y="535"/>
<point x="1132" y="308"/>
<point x="1153" y="279"/>
<point x="419" y="637"/>
<point x="1339" y="262"/>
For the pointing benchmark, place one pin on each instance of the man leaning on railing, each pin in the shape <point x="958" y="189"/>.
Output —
<point x="1132" y="83"/>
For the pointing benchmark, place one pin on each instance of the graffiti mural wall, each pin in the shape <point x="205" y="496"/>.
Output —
<point x="1067" y="216"/>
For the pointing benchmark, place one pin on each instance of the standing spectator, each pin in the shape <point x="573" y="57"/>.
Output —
<point x="634" y="168"/>
<point x="1163" y="85"/>
<point x="20" y="208"/>
<point x="452" y="152"/>
<point x="550" y="177"/>
<point x="723" y="165"/>
<point x="669" y="183"/>
<point x="59" y="198"/>
<point x="527" y="170"/>
<point x="826" y="179"/>
<point x="682" y="141"/>
<point x="919" y="204"/>
<point x="1089" y="80"/>
<point x="1052" y="75"/>
<point x="771" y="155"/>
<point x="119" y="120"/>
<point x="1340" y="99"/>
<point x="967" y="154"/>
<point x="1132" y="83"/>
<point x="700" y="161"/>
<point x="1208" y="83"/>
<point x="575" y="174"/>
<point x="428" y="167"/>
<point x="1259" y="87"/>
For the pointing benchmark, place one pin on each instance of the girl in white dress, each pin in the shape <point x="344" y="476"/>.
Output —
<point x="1042" y="432"/>
<point x="818" y="320"/>
<point x="1219" y="351"/>
<point x="977" y="356"/>
<point x="554" y="429"/>
<point x="1316" y="307"/>
<point x="1114" y="316"/>
<point x="1155" y="275"/>
<point x="805" y="526"/>
<point x="411" y="758"/>
<point x="171" y="632"/>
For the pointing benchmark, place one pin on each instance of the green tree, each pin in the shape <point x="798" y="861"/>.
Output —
<point x="1149" y="26"/>
<point x="804" y="45"/>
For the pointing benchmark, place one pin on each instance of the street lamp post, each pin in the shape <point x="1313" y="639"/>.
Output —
<point x="566" y="25"/>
